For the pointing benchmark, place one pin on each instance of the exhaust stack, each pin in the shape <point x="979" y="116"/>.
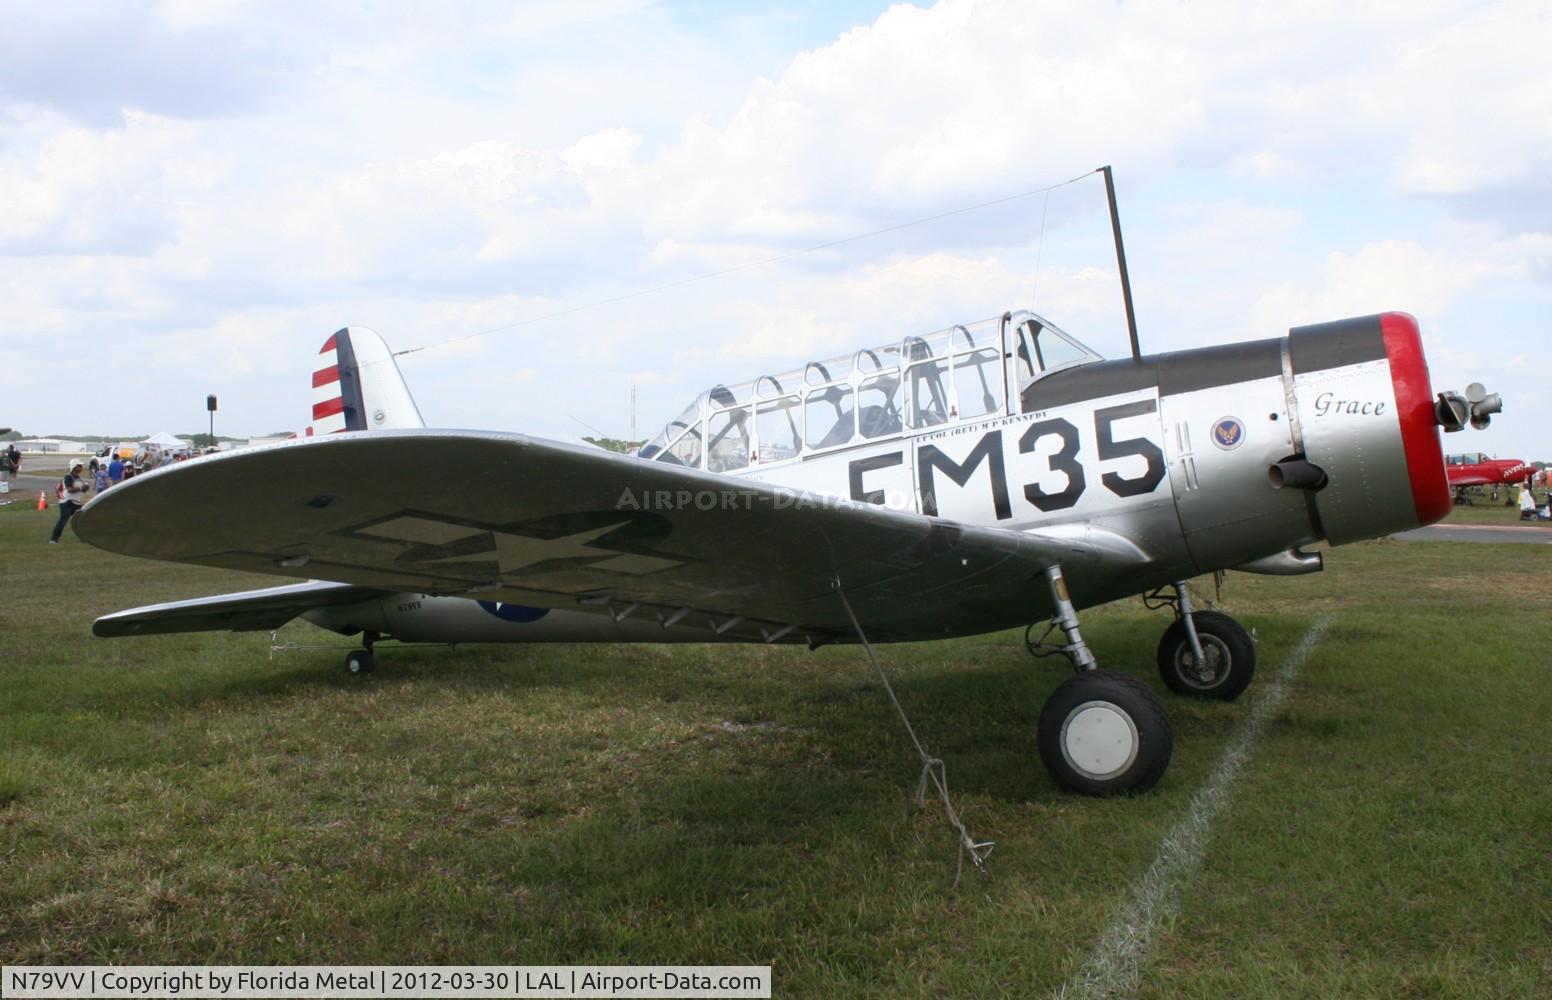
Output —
<point x="1298" y="474"/>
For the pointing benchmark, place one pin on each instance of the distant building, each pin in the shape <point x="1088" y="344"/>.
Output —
<point x="52" y="445"/>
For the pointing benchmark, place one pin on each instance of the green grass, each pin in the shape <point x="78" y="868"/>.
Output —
<point x="1492" y="514"/>
<point x="189" y="799"/>
<point x="1485" y="510"/>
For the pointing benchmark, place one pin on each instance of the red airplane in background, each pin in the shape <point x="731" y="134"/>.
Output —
<point x="1476" y="469"/>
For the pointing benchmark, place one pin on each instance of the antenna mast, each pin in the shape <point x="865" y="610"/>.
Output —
<point x="1126" y="282"/>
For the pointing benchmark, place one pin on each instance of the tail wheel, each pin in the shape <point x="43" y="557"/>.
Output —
<point x="1228" y="658"/>
<point x="1105" y="733"/>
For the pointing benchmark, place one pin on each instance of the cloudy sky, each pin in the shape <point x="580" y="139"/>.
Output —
<point x="193" y="195"/>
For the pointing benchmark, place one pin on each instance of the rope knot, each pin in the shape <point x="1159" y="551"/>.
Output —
<point x="932" y="771"/>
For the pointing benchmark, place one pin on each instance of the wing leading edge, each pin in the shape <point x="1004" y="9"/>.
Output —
<point x="530" y="521"/>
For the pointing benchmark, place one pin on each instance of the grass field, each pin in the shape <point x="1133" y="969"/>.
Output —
<point x="188" y="799"/>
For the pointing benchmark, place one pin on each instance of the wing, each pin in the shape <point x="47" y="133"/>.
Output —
<point x="1473" y="478"/>
<point x="529" y="521"/>
<point x="251" y="610"/>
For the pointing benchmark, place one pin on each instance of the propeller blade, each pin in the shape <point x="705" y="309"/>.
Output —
<point x="1452" y="411"/>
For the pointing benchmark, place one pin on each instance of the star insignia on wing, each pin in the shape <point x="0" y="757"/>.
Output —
<point x="514" y="553"/>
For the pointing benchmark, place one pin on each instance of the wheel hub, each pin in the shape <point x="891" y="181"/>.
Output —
<point x="1099" y="740"/>
<point x="1210" y="670"/>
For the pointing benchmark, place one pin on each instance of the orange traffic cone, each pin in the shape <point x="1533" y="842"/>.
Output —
<point x="42" y="501"/>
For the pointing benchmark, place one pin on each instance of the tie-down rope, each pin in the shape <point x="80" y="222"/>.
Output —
<point x="932" y="767"/>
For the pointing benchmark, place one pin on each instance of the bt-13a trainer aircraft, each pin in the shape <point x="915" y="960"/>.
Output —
<point x="981" y="477"/>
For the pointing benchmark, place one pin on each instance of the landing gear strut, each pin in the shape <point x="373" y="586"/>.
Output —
<point x="1101" y="732"/>
<point x="361" y="661"/>
<point x="1204" y="654"/>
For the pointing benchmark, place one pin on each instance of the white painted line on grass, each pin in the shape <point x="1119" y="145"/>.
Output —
<point x="1508" y="526"/>
<point x="1114" y="967"/>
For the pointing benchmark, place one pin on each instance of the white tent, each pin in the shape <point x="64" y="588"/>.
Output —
<point x="163" y="441"/>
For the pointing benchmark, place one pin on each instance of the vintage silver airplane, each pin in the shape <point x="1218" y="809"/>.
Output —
<point x="974" y="479"/>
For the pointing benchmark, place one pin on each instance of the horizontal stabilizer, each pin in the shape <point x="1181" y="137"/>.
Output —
<point x="248" y="611"/>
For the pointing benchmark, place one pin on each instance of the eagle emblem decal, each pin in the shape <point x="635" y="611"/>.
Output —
<point x="1228" y="433"/>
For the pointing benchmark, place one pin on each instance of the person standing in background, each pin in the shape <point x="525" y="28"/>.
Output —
<point x="72" y="494"/>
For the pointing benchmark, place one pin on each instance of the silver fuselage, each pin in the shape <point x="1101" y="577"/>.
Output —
<point x="1165" y="458"/>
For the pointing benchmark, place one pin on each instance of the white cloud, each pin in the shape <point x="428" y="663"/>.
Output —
<point x="107" y="191"/>
<point x="1266" y="165"/>
<point x="251" y="177"/>
<point x="928" y="104"/>
<point x="1404" y="275"/>
<point x="1476" y="97"/>
<point x="200" y="13"/>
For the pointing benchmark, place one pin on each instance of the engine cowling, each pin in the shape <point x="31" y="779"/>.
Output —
<point x="1365" y="416"/>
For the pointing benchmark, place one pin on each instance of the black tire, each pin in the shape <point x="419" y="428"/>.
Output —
<point x="1105" y="733"/>
<point x="1229" y="650"/>
<point x="359" y="661"/>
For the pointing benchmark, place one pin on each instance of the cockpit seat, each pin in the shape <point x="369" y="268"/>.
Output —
<point x="877" y="421"/>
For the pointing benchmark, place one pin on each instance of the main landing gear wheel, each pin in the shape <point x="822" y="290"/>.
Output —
<point x="1105" y="733"/>
<point x="360" y="661"/>
<point x="1228" y="658"/>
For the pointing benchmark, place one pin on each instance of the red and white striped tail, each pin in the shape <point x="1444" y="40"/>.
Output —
<point x="357" y="386"/>
<point x="328" y="397"/>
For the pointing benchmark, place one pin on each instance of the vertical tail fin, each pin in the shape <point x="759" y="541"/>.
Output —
<point x="357" y="386"/>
